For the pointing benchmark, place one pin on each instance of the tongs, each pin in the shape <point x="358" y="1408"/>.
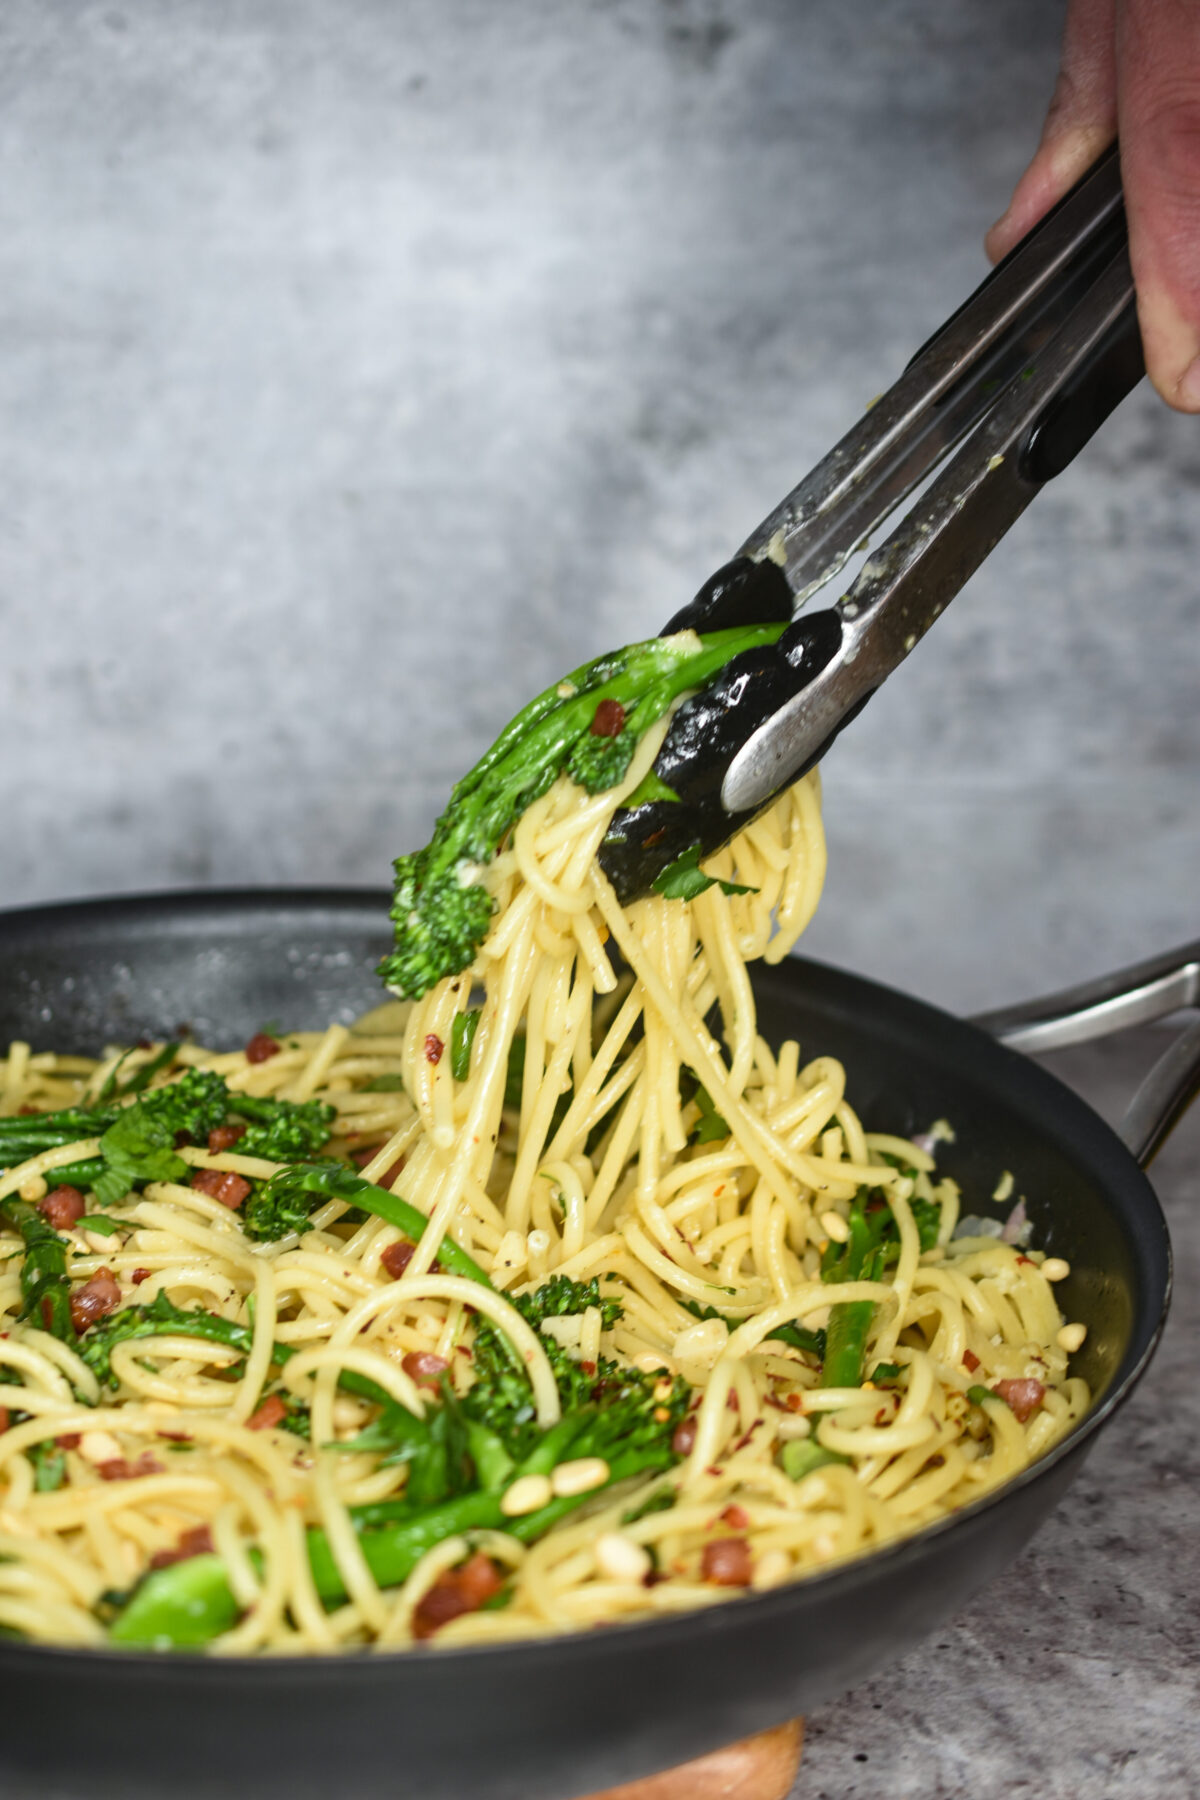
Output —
<point x="1005" y="395"/>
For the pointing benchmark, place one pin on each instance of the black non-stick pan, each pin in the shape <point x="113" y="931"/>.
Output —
<point x="551" y="1719"/>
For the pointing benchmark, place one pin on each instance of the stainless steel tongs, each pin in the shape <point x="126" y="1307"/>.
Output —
<point x="1004" y="396"/>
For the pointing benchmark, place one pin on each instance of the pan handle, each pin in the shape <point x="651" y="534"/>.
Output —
<point x="1134" y="996"/>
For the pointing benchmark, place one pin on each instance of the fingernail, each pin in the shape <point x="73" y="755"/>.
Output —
<point x="1188" y="391"/>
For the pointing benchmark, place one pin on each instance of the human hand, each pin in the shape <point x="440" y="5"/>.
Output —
<point x="1132" y="66"/>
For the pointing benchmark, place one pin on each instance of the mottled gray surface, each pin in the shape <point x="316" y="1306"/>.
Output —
<point x="1076" y="1676"/>
<point x="365" y="365"/>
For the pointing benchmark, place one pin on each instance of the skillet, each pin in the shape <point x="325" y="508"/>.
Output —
<point x="546" y="1720"/>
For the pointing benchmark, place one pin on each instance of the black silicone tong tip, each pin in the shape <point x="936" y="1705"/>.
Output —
<point x="741" y="592"/>
<point x="708" y="729"/>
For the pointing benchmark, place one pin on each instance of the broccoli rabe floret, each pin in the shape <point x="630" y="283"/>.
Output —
<point x="587" y="725"/>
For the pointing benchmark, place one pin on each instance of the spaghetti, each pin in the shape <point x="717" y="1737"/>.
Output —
<point x="561" y="1110"/>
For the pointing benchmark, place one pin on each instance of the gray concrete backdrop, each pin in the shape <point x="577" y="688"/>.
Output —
<point x="364" y="365"/>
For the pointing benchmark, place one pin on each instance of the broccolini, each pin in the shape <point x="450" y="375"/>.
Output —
<point x="587" y="726"/>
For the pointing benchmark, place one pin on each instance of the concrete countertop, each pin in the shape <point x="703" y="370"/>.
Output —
<point x="1076" y="1675"/>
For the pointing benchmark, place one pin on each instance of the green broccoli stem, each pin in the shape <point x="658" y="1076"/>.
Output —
<point x="26" y="1135"/>
<point x="190" y="1603"/>
<point x="337" y="1183"/>
<point x="846" y="1343"/>
<point x="850" y="1320"/>
<point x="440" y="912"/>
<point x="77" y="1175"/>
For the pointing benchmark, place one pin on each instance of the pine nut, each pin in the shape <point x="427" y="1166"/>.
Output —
<point x="579" y="1476"/>
<point x="835" y="1227"/>
<point x="1055" y="1269"/>
<point x="529" y="1493"/>
<point x="1071" y="1337"/>
<point x="620" y="1558"/>
<point x="99" y="1447"/>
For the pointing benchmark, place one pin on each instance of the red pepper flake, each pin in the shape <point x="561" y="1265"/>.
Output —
<point x="63" y="1207"/>
<point x="1024" y="1396"/>
<point x="936" y="1462"/>
<point x="881" y="1416"/>
<point x="69" y="1440"/>
<point x="425" y="1368"/>
<point x="396" y="1258"/>
<point x="970" y="1361"/>
<point x="589" y="1368"/>
<point x="736" y="1517"/>
<point x="95" y="1299"/>
<point x="174" y="1437"/>
<point x="27" y="1112"/>
<point x="608" y="720"/>
<point x="458" y="1591"/>
<point x="1027" y="1259"/>
<point x="433" y="1048"/>
<point x="121" y="1469"/>
<point x="683" y="1442"/>
<point x="222" y="1185"/>
<point x="5" y="1420"/>
<point x="196" y="1542"/>
<point x="270" y="1412"/>
<point x="727" y="1563"/>
<point x="261" y="1048"/>
<point x="795" y="1403"/>
<point x="224" y="1137"/>
<point x="138" y="1276"/>
<point x="655" y="837"/>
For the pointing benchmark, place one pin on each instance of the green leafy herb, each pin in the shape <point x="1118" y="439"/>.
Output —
<point x="711" y="1127"/>
<point x="100" y="1223"/>
<point x="45" y="1288"/>
<point x="139" y="1145"/>
<point x="684" y="879"/>
<point x="650" y="787"/>
<point x="385" y="1084"/>
<point x="977" y="1395"/>
<point x="884" y="1373"/>
<point x="49" y="1466"/>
